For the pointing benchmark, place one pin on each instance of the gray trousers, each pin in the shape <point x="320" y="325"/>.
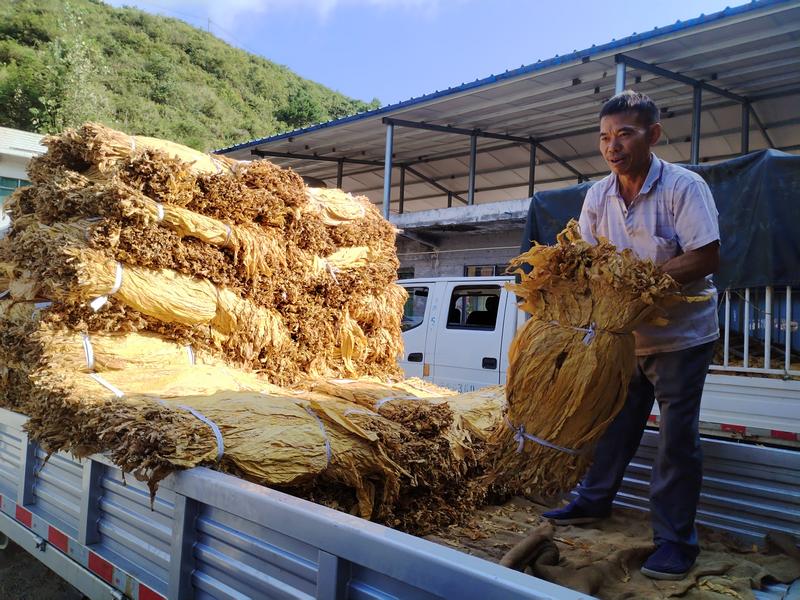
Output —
<point x="676" y="380"/>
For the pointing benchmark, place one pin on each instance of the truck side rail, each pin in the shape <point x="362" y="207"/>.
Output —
<point x="211" y="535"/>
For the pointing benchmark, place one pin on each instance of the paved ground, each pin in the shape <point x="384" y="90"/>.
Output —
<point x="22" y="577"/>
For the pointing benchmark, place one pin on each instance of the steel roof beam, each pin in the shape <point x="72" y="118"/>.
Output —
<point x="761" y="127"/>
<point x="456" y="130"/>
<point x="588" y="156"/>
<point x="479" y="133"/>
<point x="523" y="185"/>
<point x="792" y="91"/>
<point x="717" y="64"/>
<point x="434" y="183"/>
<point x="375" y="163"/>
<point x="678" y="113"/>
<point x="643" y="66"/>
<point x="314" y="157"/>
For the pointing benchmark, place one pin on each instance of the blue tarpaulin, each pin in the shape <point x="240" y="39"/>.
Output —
<point x="758" y="199"/>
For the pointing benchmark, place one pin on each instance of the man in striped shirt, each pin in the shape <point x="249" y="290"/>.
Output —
<point x="665" y="213"/>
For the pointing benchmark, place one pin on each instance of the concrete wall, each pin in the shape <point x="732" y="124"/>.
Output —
<point x="457" y="249"/>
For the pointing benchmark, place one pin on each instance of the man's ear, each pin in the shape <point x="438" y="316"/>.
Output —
<point x="654" y="133"/>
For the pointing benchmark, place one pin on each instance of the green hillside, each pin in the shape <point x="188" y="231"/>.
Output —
<point x="63" y="63"/>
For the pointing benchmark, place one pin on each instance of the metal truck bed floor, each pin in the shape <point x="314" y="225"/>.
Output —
<point x="210" y="535"/>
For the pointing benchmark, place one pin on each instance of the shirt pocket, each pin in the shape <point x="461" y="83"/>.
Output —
<point x="664" y="249"/>
<point x="665" y="225"/>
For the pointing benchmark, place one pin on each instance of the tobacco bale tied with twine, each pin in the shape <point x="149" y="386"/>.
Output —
<point x="151" y="257"/>
<point x="570" y="364"/>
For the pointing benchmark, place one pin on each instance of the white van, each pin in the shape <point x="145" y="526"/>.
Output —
<point x="457" y="331"/>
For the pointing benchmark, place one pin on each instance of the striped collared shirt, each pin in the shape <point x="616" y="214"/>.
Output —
<point x="673" y="213"/>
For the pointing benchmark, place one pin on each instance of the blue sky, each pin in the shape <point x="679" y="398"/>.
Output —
<point x="397" y="49"/>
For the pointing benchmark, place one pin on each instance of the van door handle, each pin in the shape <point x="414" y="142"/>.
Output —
<point x="489" y="363"/>
<point x="415" y="357"/>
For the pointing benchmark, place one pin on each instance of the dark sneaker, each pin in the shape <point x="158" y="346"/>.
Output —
<point x="575" y="514"/>
<point x="670" y="561"/>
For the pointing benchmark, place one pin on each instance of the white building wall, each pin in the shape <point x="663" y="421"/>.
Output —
<point x="16" y="149"/>
<point x="456" y="250"/>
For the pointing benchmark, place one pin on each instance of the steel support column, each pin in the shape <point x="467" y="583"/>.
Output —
<point x="387" y="169"/>
<point x="696" y="109"/>
<point x="473" y="159"/>
<point x="449" y="199"/>
<point x="532" y="170"/>
<point x="339" y="174"/>
<point x="745" y="127"/>
<point x="619" y="86"/>
<point x="402" y="189"/>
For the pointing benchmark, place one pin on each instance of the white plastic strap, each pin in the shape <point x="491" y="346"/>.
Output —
<point x="359" y="411"/>
<point x="386" y="399"/>
<point x="160" y="211"/>
<point x="117" y="280"/>
<point x="212" y="425"/>
<point x="4" y="294"/>
<point x="332" y="270"/>
<point x="228" y="232"/>
<point x="591" y="331"/>
<point x="88" y="351"/>
<point x="310" y="411"/>
<point x="520" y="435"/>
<point x="190" y="354"/>
<point x="215" y="162"/>
<point x="109" y="386"/>
<point x="133" y="143"/>
<point x="99" y="302"/>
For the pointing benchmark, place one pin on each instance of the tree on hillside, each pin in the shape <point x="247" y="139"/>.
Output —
<point x="301" y="109"/>
<point x="58" y="87"/>
<point x="63" y="62"/>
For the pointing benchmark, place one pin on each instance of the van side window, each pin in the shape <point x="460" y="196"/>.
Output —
<point x="474" y="307"/>
<point x="414" y="309"/>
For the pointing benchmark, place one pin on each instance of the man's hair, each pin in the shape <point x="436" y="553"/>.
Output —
<point x="630" y="101"/>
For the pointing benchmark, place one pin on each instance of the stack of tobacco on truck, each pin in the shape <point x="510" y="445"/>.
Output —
<point x="570" y="364"/>
<point x="159" y="296"/>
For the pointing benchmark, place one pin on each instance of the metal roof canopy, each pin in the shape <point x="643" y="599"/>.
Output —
<point x="492" y="139"/>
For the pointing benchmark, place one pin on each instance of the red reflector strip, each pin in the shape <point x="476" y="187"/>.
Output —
<point x="24" y="516"/>
<point x="734" y="428"/>
<point x="785" y="435"/>
<point x="145" y="593"/>
<point x="652" y="418"/>
<point x="101" y="567"/>
<point x="58" y="539"/>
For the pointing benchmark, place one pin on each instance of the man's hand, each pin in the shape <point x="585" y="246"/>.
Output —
<point x="694" y="264"/>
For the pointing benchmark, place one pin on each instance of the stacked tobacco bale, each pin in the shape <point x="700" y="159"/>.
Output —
<point x="157" y="296"/>
<point x="238" y="258"/>
<point x="570" y="364"/>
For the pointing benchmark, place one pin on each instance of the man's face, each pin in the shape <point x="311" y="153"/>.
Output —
<point x="625" y="143"/>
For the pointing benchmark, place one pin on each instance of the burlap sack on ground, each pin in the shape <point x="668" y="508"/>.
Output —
<point x="604" y="559"/>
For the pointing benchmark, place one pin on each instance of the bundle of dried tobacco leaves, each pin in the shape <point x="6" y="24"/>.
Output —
<point x="571" y="362"/>
<point x="157" y="296"/>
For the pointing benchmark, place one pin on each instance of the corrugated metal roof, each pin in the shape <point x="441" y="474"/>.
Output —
<point x="751" y="50"/>
<point x="20" y="143"/>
